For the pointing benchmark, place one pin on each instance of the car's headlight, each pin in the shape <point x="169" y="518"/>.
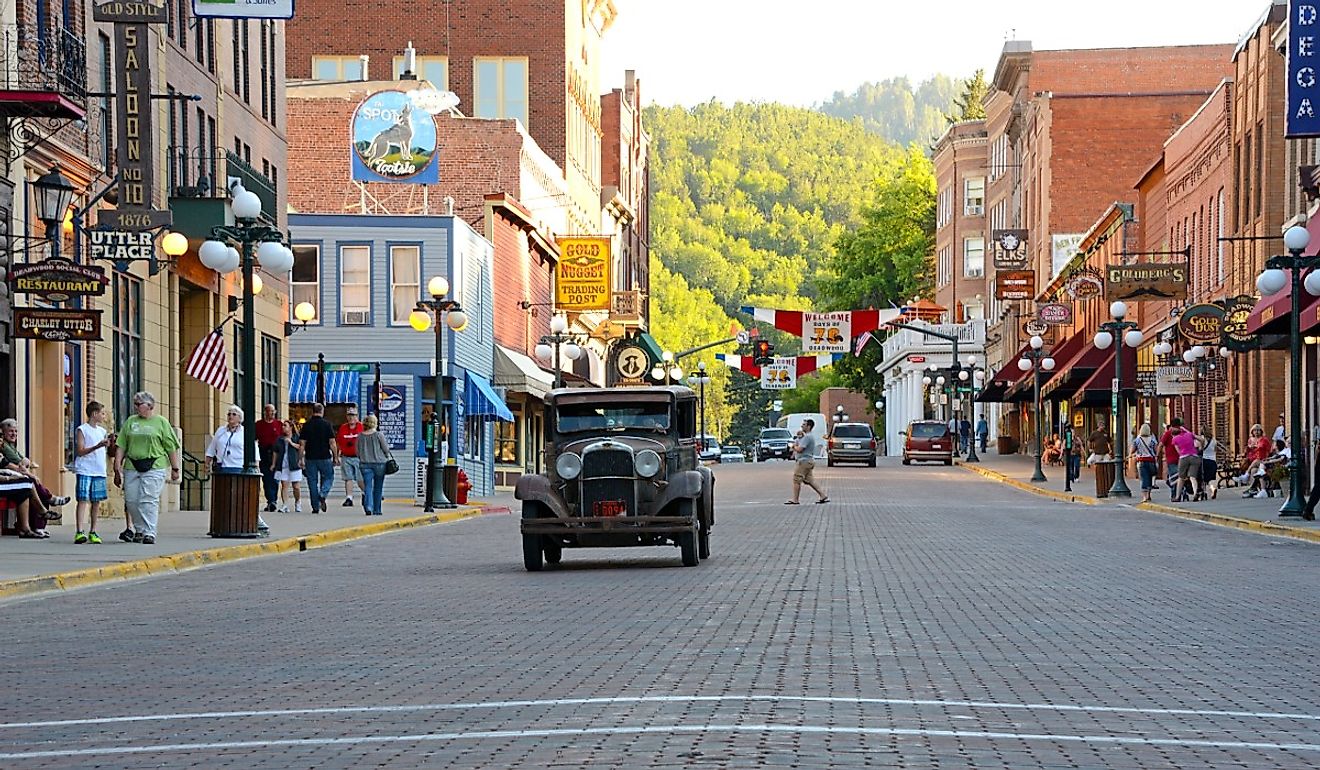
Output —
<point x="568" y="466"/>
<point x="646" y="463"/>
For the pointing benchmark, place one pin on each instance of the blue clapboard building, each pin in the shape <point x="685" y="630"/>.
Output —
<point x="364" y="275"/>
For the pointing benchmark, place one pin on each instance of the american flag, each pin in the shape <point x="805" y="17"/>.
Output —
<point x="862" y="339"/>
<point x="207" y="362"/>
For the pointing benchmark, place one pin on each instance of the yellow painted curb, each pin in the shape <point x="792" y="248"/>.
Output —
<point x="1250" y="525"/>
<point x="190" y="560"/>
<point x="1065" y="497"/>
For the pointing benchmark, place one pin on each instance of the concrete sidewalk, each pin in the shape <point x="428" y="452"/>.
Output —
<point x="1229" y="509"/>
<point x="34" y="566"/>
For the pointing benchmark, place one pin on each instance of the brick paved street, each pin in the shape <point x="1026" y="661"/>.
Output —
<point x="927" y="617"/>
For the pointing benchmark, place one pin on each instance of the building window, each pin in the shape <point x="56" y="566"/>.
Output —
<point x="182" y="19"/>
<point x="270" y="371"/>
<point x="354" y="285"/>
<point x="265" y="67"/>
<point x="973" y="257"/>
<point x="239" y="374"/>
<point x="336" y="68"/>
<point x="432" y="69"/>
<point x="305" y="278"/>
<point x="127" y="318"/>
<point x="474" y="433"/>
<point x="974" y="196"/>
<point x="405" y="282"/>
<point x="247" y="62"/>
<point x="107" y="117"/>
<point x="506" y="442"/>
<point x="501" y="88"/>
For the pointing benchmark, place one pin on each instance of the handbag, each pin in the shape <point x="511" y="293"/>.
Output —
<point x="142" y="464"/>
<point x="391" y="467"/>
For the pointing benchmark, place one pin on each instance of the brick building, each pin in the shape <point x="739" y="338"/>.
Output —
<point x="960" y="235"/>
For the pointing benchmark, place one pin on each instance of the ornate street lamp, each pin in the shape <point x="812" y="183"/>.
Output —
<point x="975" y="376"/>
<point x="1036" y="360"/>
<point x="304" y="313"/>
<point x="701" y="380"/>
<point x="54" y="194"/>
<point x="1111" y="332"/>
<point x="667" y="370"/>
<point x="1280" y="271"/>
<point x="438" y="313"/>
<point x="549" y="347"/>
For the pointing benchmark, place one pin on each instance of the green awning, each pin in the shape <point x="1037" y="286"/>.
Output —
<point x="651" y="347"/>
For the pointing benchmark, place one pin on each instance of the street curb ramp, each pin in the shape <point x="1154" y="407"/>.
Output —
<point x="191" y="560"/>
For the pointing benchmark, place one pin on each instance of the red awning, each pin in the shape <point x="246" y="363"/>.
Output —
<point x="1074" y="372"/>
<point x="1270" y="316"/>
<point x="997" y="386"/>
<point x="41" y="104"/>
<point x="1100" y="384"/>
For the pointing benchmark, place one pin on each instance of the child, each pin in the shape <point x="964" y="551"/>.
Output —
<point x="91" y="441"/>
<point x="287" y="461"/>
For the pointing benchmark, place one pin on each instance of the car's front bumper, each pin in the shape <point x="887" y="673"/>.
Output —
<point x="638" y="524"/>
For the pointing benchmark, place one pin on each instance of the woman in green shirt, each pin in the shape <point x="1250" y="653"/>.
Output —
<point x="149" y="444"/>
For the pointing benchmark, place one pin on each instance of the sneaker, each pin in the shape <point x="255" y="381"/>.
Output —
<point x="127" y="535"/>
<point x="148" y="540"/>
<point x="348" y="502"/>
<point x="297" y="507"/>
<point x="1261" y="494"/>
<point x="138" y="537"/>
<point x="270" y="507"/>
<point x="55" y="502"/>
<point x="79" y="538"/>
<point x="93" y="538"/>
<point x="282" y="508"/>
<point x="324" y="509"/>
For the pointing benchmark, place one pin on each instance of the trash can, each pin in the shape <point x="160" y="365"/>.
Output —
<point x="450" y="480"/>
<point x="1005" y="445"/>
<point x="1104" y="476"/>
<point x="235" y="499"/>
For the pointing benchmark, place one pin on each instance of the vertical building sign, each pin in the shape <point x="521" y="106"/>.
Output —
<point x="133" y="109"/>
<point x="1303" y="80"/>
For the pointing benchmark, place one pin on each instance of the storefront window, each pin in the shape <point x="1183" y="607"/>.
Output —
<point x="474" y="431"/>
<point x="127" y="322"/>
<point x="506" y="442"/>
<point x="270" y="371"/>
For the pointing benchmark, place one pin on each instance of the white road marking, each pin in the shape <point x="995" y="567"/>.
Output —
<point x="665" y="729"/>
<point x="656" y="699"/>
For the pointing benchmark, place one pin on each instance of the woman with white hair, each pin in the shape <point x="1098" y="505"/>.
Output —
<point x="225" y="452"/>
<point x="149" y="445"/>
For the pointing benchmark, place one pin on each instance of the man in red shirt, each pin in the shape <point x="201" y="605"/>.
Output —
<point x="269" y="431"/>
<point x="346" y="437"/>
<point x="1171" y="455"/>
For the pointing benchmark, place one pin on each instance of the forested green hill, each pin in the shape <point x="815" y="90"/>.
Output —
<point x="892" y="108"/>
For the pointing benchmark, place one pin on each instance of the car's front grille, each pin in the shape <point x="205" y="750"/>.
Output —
<point x="606" y="491"/>
<point x="607" y="462"/>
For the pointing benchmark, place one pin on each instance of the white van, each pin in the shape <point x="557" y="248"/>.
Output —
<point x="794" y="423"/>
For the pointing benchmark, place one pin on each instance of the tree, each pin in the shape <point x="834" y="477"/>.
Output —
<point x="895" y="110"/>
<point x="971" y="104"/>
<point x="806" y="396"/>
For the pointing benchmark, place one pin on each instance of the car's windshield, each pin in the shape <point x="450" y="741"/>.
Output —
<point x="928" y="430"/>
<point x="776" y="433"/>
<point x="578" y="418"/>
<point x="732" y="450"/>
<point x="710" y="442"/>
<point x="852" y="431"/>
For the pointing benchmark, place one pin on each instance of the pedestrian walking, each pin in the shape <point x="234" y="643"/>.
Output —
<point x="346" y="439"/>
<point x="982" y="432"/>
<point x="148" y="443"/>
<point x="965" y="433"/>
<point x="286" y="458"/>
<point x="269" y="430"/>
<point x="1188" y="445"/>
<point x="804" y="451"/>
<point x="90" y="441"/>
<point x="1073" y="452"/>
<point x="1209" y="465"/>
<point x="320" y="453"/>
<point x="1170" y="453"/>
<point x="1145" y="453"/>
<point x="373" y="454"/>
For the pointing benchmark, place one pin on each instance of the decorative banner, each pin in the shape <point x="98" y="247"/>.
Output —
<point x="1084" y="285"/>
<point x="1235" y="335"/>
<point x="57" y="280"/>
<point x="1163" y="280"/>
<point x="1202" y="324"/>
<point x="1055" y="313"/>
<point x="805" y="364"/>
<point x="627" y="306"/>
<point x="826" y="332"/>
<point x="57" y="324"/>
<point x="244" y="9"/>
<point x="392" y="412"/>
<point x="1175" y="381"/>
<point x="582" y="275"/>
<point x="1011" y="253"/>
<point x="393" y="141"/>
<point x="1303" y="83"/>
<point x="780" y="374"/>
<point x="1015" y="284"/>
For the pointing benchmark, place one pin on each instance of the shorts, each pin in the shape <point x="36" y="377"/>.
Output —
<point x="91" y="489"/>
<point x="352" y="468"/>
<point x="804" y="473"/>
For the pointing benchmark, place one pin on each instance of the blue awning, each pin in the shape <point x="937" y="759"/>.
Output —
<point x="340" y="387"/>
<point x="480" y="400"/>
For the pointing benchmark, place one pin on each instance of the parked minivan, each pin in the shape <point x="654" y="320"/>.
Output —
<point x="851" y="442"/>
<point x="928" y="440"/>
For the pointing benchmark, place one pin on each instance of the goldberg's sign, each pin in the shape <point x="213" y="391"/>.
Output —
<point x="394" y="141"/>
<point x="244" y="9"/>
<point x="57" y="324"/>
<point x="826" y="332"/>
<point x="1202" y="324"/>
<point x="57" y="279"/>
<point x="1303" y="80"/>
<point x="1015" y="284"/>
<point x="582" y="276"/>
<point x="1148" y="281"/>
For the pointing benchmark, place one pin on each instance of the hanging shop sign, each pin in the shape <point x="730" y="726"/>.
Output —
<point x="582" y="275"/>
<point x="826" y="332"/>
<point x="57" y="324"/>
<point x="392" y="411"/>
<point x="1034" y="327"/>
<point x="1055" y="313"/>
<point x="393" y="141"/>
<point x="626" y="306"/>
<point x="1155" y="281"/>
<point x="116" y="245"/>
<point x="1175" y="381"/>
<point x="1015" y="284"/>
<point x="1202" y="324"/>
<point x="1146" y="382"/>
<point x="631" y="363"/>
<point x="1010" y="249"/>
<point x="57" y="280"/>
<point x="243" y="9"/>
<point x="1084" y="285"/>
<point x="1303" y="92"/>
<point x="1234" y="331"/>
<point x="780" y="374"/>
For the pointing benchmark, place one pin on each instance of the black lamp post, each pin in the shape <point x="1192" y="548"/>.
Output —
<point x="54" y="194"/>
<point x="1286" y="269"/>
<point x="446" y="312"/>
<point x="1036" y="360"/>
<point x="700" y="380"/>
<point x="667" y="371"/>
<point x="974" y="376"/>
<point x="1119" y="332"/>
<point x="549" y="347"/>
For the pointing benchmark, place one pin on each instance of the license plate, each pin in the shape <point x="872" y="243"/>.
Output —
<point x="851" y="446"/>
<point x="936" y="446"/>
<point x="609" y="508"/>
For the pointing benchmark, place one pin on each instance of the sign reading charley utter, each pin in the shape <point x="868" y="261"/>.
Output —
<point x="56" y="324"/>
<point x="582" y="275"/>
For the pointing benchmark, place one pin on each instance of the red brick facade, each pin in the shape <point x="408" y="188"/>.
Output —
<point x="523" y="271"/>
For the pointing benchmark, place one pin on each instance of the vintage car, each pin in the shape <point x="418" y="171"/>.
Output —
<point x="622" y="470"/>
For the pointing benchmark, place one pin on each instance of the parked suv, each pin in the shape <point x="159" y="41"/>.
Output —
<point x="774" y="442"/>
<point x="709" y="451"/>
<point x="851" y="442"/>
<point x="928" y="440"/>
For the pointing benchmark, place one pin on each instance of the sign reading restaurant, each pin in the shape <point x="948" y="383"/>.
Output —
<point x="582" y="275"/>
<point x="1150" y="281"/>
<point x="57" y="324"/>
<point x="57" y="280"/>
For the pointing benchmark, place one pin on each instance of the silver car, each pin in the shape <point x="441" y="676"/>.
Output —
<point x="851" y="442"/>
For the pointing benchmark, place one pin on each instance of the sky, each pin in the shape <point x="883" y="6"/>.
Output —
<point x="688" y="51"/>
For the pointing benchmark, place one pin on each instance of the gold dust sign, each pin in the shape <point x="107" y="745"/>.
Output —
<point x="582" y="278"/>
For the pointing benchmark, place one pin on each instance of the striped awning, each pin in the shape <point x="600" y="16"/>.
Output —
<point x="340" y="387"/>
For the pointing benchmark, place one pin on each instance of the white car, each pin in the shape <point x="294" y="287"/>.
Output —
<point x="732" y="454"/>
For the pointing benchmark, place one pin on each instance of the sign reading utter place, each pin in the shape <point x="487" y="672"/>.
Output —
<point x="244" y="9"/>
<point x="582" y="276"/>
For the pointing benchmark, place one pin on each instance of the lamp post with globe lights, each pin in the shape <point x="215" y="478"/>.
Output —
<point x="1037" y="360"/>
<point x="548" y="349"/>
<point x="1286" y="270"/>
<point x="700" y="380"/>
<point x="667" y="370"/>
<point x="54" y="194"/>
<point x="974" y="376"/>
<point x="1121" y="332"/>
<point x="439" y="313"/>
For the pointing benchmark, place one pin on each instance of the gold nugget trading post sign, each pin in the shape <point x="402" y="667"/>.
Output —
<point x="582" y="277"/>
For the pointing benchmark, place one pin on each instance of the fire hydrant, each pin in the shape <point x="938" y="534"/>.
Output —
<point x="463" y="487"/>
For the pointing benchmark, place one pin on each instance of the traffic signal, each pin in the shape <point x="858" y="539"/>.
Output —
<point x="763" y="352"/>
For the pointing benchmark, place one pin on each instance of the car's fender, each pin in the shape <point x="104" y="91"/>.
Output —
<point x="533" y="487"/>
<point x="685" y="484"/>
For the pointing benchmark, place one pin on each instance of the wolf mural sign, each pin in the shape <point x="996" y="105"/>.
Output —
<point x="393" y="141"/>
